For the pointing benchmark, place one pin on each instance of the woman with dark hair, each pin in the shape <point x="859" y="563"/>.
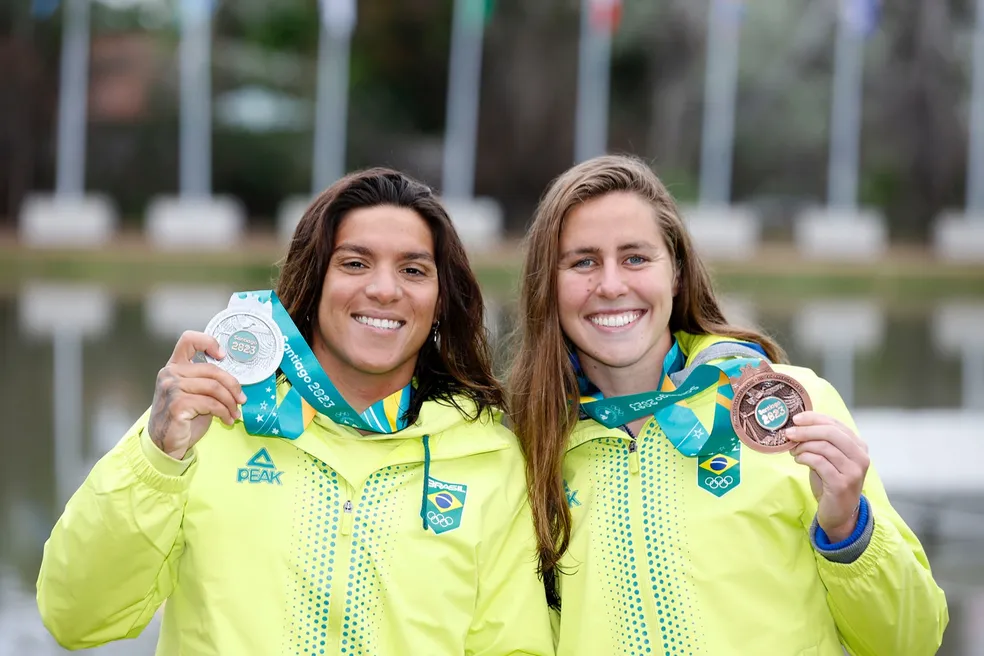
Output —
<point x="655" y="435"/>
<point x="362" y="499"/>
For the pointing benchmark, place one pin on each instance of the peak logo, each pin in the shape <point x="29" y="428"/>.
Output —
<point x="259" y="469"/>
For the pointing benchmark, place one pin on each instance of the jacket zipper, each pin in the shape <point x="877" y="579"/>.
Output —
<point x="343" y="554"/>
<point x="347" y="518"/>
<point x="633" y="450"/>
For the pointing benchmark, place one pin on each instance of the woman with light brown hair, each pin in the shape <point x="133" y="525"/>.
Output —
<point x="669" y="515"/>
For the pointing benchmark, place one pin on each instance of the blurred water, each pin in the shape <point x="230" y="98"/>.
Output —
<point x="913" y="375"/>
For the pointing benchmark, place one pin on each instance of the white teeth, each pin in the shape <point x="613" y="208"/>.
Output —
<point x="615" y="320"/>
<point x="386" y="324"/>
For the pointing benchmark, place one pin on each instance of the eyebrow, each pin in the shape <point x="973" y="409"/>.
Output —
<point x="365" y="251"/>
<point x="594" y="250"/>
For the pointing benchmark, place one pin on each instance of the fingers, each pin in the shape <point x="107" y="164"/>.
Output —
<point x="190" y="343"/>
<point x="211" y="372"/>
<point x="213" y="389"/>
<point x="816" y="426"/>
<point x="190" y="406"/>
<point x="182" y="387"/>
<point x="813" y="418"/>
<point x="841" y="476"/>
<point x="839" y="486"/>
<point x="818" y="463"/>
<point x="844" y="444"/>
<point x="839" y="463"/>
<point x="831" y="454"/>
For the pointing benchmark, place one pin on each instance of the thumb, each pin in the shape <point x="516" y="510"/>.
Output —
<point x="192" y="342"/>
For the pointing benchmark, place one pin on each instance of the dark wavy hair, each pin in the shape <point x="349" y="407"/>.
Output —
<point x="459" y="362"/>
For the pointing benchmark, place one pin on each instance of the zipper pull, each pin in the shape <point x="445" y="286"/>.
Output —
<point x="347" y="518"/>
<point x="633" y="457"/>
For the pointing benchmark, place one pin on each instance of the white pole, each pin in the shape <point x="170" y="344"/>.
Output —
<point x="195" y="168"/>
<point x="331" y="109"/>
<point x="593" y="75"/>
<point x="67" y="399"/>
<point x="73" y="100"/>
<point x="972" y="377"/>
<point x="845" y="121"/>
<point x="464" y="91"/>
<point x="720" y="91"/>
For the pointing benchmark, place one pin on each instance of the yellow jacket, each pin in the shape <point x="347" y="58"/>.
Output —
<point x="659" y="565"/>
<point x="312" y="546"/>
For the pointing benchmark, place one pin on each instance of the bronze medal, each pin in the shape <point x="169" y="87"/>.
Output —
<point x="764" y="405"/>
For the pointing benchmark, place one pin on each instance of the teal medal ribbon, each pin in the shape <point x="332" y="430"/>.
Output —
<point x="311" y="387"/>
<point x="671" y="404"/>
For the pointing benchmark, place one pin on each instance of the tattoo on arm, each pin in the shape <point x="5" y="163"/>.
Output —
<point x="160" y="416"/>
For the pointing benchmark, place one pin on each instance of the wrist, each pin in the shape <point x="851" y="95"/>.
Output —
<point x="163" y="462"/>
<point x="177" y="453"/>
<point x="843" y="531"/>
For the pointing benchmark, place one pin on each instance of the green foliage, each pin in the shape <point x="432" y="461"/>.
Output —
<point x="292" y="27"/>
<point x="879" y="187"/>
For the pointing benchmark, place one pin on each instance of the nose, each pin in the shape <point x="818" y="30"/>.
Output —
<point x="384" y="287"/>
<point x="612" y="284"/>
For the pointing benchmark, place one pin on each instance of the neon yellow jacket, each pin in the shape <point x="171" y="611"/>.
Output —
<point x="312" y="546"/>
<point x="659" y="565"/>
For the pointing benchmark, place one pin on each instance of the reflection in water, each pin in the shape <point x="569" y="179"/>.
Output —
<point x="958" y="328"/>
<point x="839" y="331"/>
<point x="67" y="314"/>
<point x="80" y="367"/>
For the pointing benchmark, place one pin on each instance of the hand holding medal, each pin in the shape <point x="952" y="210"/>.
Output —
<point x="772" y="413"/>
<point x="204" y="378"/>
<point x="838" y="461"/>
<point x="189" y="393"/>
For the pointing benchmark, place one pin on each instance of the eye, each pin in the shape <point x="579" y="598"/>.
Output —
<point x="635" y="260"/>
<point x="414" y="271"/>
<point x="353" y="264"/>
<point x="583" y="264"/>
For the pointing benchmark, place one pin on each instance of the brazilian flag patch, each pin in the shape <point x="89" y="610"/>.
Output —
<point x="445" y="505"/>
<point x="719" y="473"/>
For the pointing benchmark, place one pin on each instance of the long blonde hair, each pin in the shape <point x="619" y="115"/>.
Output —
<point x="542" y="382"/>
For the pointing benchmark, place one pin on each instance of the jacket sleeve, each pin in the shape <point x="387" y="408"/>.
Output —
<point x="886" y="601"/>
<point x="112" y="557"/>
<point x="511" y="613"/>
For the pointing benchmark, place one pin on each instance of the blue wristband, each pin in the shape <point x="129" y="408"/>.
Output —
<point x="824" y="542"/>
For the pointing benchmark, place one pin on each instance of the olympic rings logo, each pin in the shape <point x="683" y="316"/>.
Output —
<point x="720" y="482"/>
<point x="441" y="520"/>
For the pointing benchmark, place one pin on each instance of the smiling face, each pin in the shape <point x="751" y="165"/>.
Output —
<point x="615" y="287"/>
<point x="379" y="298"/>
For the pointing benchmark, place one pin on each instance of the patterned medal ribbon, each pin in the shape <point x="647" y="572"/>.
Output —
<point x="694" y="415"/>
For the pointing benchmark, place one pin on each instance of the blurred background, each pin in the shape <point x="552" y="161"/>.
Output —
<point x="828" y="158"/>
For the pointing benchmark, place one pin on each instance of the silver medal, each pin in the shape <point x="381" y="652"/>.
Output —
<point x="253" y="344"/>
